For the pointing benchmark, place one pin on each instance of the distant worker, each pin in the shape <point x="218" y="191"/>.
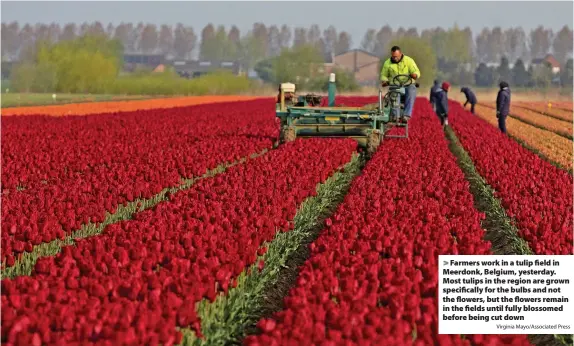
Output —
<point x="398" y="64"/>
<point x="470" y="98"/>
<point x="503" y="105"/>
<point x="432" y="98"/>
<point x="441" y="97"/>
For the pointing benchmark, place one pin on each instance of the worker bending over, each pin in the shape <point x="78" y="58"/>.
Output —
<point x="432" y="98"/>
<point x="398" y="64"/>
<point x="442" y="103"/>
<point x="470" y="98"/>
<point x="503" y="105"/>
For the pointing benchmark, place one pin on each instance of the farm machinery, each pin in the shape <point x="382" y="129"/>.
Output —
<point x="303" y="116"/>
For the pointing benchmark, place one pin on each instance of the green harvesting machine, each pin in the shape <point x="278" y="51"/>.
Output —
<point x="302" y="116"/>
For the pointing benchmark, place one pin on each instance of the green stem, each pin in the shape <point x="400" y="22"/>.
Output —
<point x="501" y="230"/>
<point x="260" y="293"/>
<point x="25" y="263"/>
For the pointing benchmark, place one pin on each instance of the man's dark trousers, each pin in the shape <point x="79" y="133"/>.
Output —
<point x="502" y="123"/>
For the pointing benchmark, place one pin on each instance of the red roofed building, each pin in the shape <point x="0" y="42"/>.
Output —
<point x="551" y="60"/>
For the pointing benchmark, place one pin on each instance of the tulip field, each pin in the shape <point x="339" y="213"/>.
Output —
<point x="182" y="221"/>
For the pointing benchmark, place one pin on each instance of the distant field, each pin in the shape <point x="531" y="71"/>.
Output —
<point x="112" y="106"/>
<point x="11" y="100"/>
<point x="33" y="99"/>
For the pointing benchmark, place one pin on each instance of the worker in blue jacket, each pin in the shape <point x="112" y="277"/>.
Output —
<point x="441" y="97"/>
<point x="434" y="89"/>
<point x="470" y="98"/>
<point x="503" y="105"/>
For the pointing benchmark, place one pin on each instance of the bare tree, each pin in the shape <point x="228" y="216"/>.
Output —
<point x="149" y="39"/>
<point x="369" y="41"/>
<point x="540" y="42"/>
<point x="274" y="41"/>
<point x="285" y="36"/>
<point x="343" y="43"/>
<point x="207" y="49"/>
<point x="516" y="43"/>
<point x="497" y="44"/>
<point x="122" y="32"/>
<point x="314" y="34"/>
<point x="468" y="34"/>
<point x="110" y="30"/>
<point x="400" y="33"/>
<point x="41" y="32"/>
<point x="234" y="35"/>
<point x="234" y="38"/>
<point x="562" y="44"/>
<point x="185" y="41"/>
<point x="84" y="29"/>
<point x="135" y="37"/>
<point x="383" y="39"/>
<point x="27" y="41"/>
<point x="427" y="35"/>
<point x="96" y="28"/>
<point x="412" y="32"/>
<point x="300" y="37"/>
<point x="54" y="31"/>
<point x="165" y="41"/>
<point x="482" y="45"/>
<point x="10" y="39"/>
<point x="261" y="34"/>
<point x="69" y="32"/>
<point x="330" y="38"/>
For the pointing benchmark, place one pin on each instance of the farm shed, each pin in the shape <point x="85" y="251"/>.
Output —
<point x="550" y="59"/>
<point x="364" y="65"/>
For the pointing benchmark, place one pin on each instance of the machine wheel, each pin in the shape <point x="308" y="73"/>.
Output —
<point x="373" y="142"/>
<point x="288" y="134"/>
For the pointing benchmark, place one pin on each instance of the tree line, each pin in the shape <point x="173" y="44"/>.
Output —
<point x="92" y="63"/>
<point x="453" y="54"/>
<point x="221" y="43"/>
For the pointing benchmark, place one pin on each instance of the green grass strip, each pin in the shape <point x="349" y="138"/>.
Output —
<point x="26" y="262"/>
<point x="501" y="230"/>
<point x="260" y="293"/>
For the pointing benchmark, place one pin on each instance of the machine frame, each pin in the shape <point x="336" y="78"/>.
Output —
<point x="367" y="125"/>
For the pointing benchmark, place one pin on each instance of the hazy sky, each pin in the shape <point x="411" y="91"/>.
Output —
<point x="354" y="17"/>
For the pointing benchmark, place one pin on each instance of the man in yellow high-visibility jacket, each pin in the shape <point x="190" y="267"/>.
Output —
<point x="397" y="64"/>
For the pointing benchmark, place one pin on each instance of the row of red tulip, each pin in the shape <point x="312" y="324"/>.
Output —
<point x="372" y="277"/>
<point x="140" y="279"/>
<point x="138" y="157"/>
<point x="535" y="193"/>
<point x="40" y="150"/>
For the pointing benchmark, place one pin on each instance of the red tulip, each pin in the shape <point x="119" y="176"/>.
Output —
<point x="530" y="188"/>
<point x="382" y="246"/>
<point x="163" y="261"/>
<point x="78" y="177"/>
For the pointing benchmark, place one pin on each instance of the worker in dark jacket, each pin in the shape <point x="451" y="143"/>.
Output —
<point x="470" y="98"/>
<point x="441" y="97"/>
<point x="432" y="98"/>
<point x="503" y="105"/>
